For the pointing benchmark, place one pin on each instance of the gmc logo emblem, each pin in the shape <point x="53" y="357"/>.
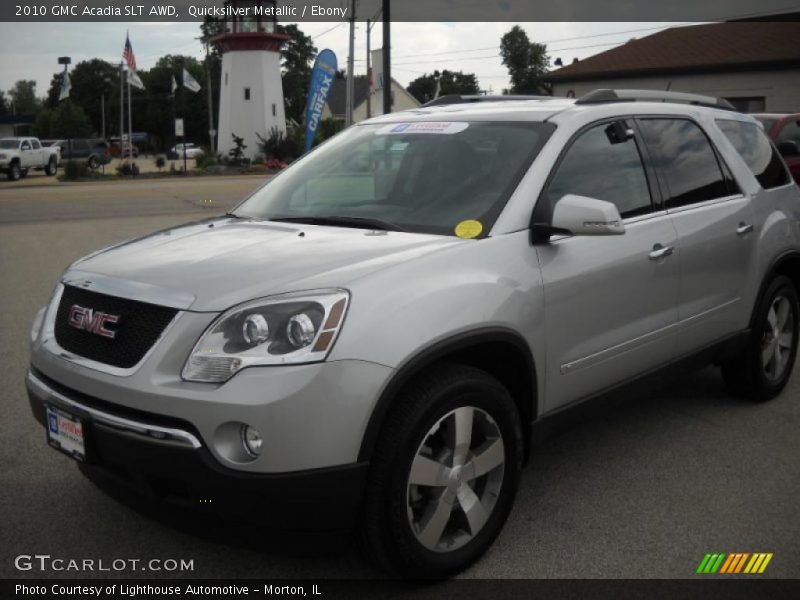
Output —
<point x="93" y="322"/>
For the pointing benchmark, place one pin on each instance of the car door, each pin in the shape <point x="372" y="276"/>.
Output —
<point x="37" y="153"/>
<point x="716" y="234"/>
<point x="26" y="159"/>
<point x="610" y="301"/>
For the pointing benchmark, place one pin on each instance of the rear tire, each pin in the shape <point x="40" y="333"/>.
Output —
<point x="762" y="369"/>
<point x="457" y="429"/>
<point x="51" y="167"/>
<point x="93" y="163"/>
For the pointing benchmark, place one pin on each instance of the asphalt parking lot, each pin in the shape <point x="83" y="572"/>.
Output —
<point x="644" y="491"/>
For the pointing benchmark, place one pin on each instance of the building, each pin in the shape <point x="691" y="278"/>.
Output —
<point x="336" y="107"/>
<point x="251" y="93"/>
<point x="754" y="65"/>
<point x="15" y="125"/>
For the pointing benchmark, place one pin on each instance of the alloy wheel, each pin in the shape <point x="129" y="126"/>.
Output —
<point x="778" y="338"/>
<point x="455" y="479"/>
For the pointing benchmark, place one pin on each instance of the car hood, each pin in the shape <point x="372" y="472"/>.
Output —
<point x="212" y="265"/>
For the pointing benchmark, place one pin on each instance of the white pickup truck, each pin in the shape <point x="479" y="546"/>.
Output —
<point x="20" y="154"/>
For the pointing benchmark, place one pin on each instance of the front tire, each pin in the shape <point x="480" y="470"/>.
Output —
<point x="93" y="163"/>
<point x="14" y="172"/>
<point x="444" y="474"/>
<point x="763" y="368"/>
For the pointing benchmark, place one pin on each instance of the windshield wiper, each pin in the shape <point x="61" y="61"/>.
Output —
<point x="338" y="221"/>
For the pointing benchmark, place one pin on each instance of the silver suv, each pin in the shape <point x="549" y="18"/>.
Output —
<point x="372" y="339"/>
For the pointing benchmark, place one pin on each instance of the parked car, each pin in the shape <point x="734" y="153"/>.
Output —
<point x="784" y="131"/>
<point x="18" y="155"/>
<point x="192" y="151"/>
<point x="126" y="149"/>
<point x="378" y="348"/>
<point x="84" y="148"/>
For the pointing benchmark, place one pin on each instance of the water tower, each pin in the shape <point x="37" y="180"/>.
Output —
<point x="251" y="93"/>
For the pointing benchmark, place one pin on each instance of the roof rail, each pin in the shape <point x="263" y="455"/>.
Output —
<point x="605" y="95"/>
<point x="466" y="99"/>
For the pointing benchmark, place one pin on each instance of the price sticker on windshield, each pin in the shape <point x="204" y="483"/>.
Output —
<point x="469" y="229"/>
<point x="429" y="127"/>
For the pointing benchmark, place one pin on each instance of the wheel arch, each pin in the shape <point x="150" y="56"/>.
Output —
<point x="788" y="264"/>
<point x="502" y="353"/>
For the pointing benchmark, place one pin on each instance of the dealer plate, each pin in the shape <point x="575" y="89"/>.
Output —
<point x="66" y="432"/>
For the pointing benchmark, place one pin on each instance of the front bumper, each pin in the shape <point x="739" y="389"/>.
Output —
<point x="165" y="460"/>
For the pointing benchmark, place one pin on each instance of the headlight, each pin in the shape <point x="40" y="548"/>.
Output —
<point x="287" y="329"/>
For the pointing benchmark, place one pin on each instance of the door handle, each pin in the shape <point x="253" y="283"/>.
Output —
<point x="660" y="252"/>
<point x="744" y="228"/>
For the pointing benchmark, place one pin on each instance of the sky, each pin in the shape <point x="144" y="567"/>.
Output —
<point x="31" y="50"/>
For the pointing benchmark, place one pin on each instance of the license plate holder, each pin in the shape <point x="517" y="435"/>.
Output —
<point x="66" y="432"/>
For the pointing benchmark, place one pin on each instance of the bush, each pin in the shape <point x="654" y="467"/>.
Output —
<point x="278" y="146"/>
<point x="75" y="169"/>
<point x="204" y="161"/>
<point x="128" y="169"/>
<point x="236" y="154"/>
<point x="160" y="162"/>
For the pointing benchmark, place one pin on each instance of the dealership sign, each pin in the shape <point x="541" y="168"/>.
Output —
<point x="322" y="76"/>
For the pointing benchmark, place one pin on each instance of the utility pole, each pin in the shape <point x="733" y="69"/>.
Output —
<point x="348" y="120"/>
<point x="103" y="111"/>
<point x="387" y="58"/>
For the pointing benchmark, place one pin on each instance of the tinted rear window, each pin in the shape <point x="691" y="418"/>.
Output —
<point x="686" y="161"/>
<point x="754" y="147"/>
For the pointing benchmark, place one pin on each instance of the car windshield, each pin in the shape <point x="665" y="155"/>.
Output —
<point x="9" y="144"/>
<point x="424" y="177"/>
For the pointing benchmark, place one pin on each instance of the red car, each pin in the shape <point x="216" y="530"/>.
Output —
<point x="784" y="131"/>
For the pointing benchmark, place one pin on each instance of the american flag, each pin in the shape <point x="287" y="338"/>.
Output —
<point x="127" y="54"/>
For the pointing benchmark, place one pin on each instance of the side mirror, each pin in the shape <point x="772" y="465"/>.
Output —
<point x="789" y="148"/>
<point x="587" y="216"/>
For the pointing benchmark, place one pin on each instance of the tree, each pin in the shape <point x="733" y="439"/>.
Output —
<point x="159" y="106"/>
<point x="93" y="82"/>
<point x="43" y="124"/>
<point x="69" y="121"/>
<point x="4" y="107"/>
<point x="423" y="88"/>
<point x="526" y="62"/>
<point x="298" y="54"/>
<point x="23" y="95"/>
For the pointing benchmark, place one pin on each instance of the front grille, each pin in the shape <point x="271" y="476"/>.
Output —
<point x="137" y="329"/>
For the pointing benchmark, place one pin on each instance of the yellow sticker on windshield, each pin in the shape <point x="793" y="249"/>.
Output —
<point x="469" y="229"/>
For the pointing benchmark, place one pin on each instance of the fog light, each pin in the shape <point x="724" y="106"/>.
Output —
<point x="251" y="439"/>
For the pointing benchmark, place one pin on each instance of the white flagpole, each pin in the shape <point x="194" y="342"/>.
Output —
<point x="130" y="121"/>
<point x="121" y="111"/>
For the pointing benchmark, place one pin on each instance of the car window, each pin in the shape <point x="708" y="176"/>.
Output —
<point x="790" y="132"/>
<point x="600" y="165"/>
<point x="686" y="161"/>
<point x="36" y="144"/>
<point x="425" y="177"/>
<point x="26" y="145"/>
<point x="767" y="122"/>
<point x="754" y="147"/>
